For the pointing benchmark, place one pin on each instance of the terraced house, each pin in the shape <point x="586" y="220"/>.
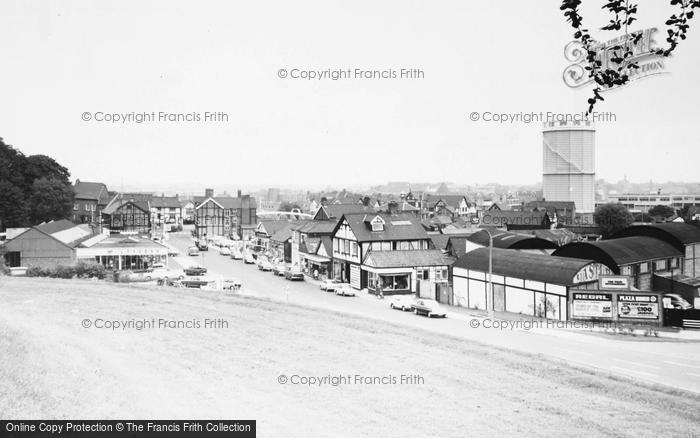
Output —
<point x="391" y="251"/>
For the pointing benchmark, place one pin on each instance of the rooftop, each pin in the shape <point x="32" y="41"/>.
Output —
<point x="407" y="259"/>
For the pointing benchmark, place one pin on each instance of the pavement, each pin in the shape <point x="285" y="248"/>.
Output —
<point x="670" y="362"/>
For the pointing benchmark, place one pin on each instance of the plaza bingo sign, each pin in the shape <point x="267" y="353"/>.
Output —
<point x="615" y="301"/>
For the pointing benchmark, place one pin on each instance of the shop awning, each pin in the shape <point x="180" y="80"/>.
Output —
<point x="317" y="258"/>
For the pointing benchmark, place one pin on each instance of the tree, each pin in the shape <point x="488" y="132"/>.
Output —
<point x="288" y="206"/>
<point x="32" y="189"/>
<point x="13" y="209"/>
<point x="365" y="201"/>
<point x="612" y="218"/>
<point x="50" y="199"/>
<point x="662" y="211"/>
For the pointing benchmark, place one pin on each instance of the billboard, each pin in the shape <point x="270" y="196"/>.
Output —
<point x="587" y="305"/>
<point x="638" y="306"/>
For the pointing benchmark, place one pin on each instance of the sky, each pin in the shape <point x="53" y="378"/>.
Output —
<point x="69" y="60"/>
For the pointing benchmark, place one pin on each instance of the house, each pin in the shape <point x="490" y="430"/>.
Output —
<point x="127" y="215"/>
<point x="281" y="243"/>
<point x="45" y="245"/>
<point x="358" y="238"/>
<point x="90" y="199"/>
<point x="561" y="212"/>
<point x="638" y="257"/>
<point x="225" y="216"/>
<point x="166" y="210"/>
<point x="264" y="232"/>
<point x="449" y="205"/>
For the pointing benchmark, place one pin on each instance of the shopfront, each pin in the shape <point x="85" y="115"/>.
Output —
<point x="124" y="253"/>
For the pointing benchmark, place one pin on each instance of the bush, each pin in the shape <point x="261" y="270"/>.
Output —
<point x="80" y="270"/>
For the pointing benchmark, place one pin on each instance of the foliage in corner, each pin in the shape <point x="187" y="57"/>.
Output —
<point x="623" y="14"/>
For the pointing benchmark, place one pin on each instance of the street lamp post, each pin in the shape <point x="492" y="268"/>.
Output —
<point x="489" y="294"/>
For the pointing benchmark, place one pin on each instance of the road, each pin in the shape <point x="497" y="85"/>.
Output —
<point x="667" y="362"/>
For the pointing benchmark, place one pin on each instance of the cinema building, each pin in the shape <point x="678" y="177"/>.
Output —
<point x="525" y="283"/>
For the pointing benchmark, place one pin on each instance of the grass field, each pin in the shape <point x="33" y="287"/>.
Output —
<point x="52" y="367"/>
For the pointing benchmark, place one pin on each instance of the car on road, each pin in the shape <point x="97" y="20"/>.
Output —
<point x="429" y="308"/>
<point x="344" y="289"/>
<point x="280" y="269"/>
<point x="224" y="251"/>
<point x="161" y="272"/>
<point x="231" y="284"/>
<point x="195" y="270"/>
<point x="402" y="302"/>
<point x="329" y="284"/>
<point x="202" y="245"/>
<point x="293" y="274"/>
<point x="236" y="254"/>
<point x="264" y="265"/>
<point x="192" y="251"/>
<point x="248" y="259"/>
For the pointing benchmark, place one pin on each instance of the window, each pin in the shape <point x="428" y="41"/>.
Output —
<point x="346" y="247"/>
<point x="75" y="206"/>
<point x="643" y="268"/>
<point x="626" y="270"/>
<point x="395" y="282"/>
<point x="674" y="263"/>
<point x="354" y="249"/>
<point x="660" y="265"/>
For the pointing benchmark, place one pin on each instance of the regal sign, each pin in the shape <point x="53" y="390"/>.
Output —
<point x="644" y="54"/>
<point x="594" y="305"/>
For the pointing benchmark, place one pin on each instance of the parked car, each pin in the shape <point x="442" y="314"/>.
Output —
<point x="264" y="265"/>
<point x="202" y="245"/>
<point x="236" y="254"/>
<point x="675" y="301"/>
<point x="248" y="259"/>
<point x="280" y="269"/>
<point x="192" y="251"/>
<point x="345" y="290"/>
<point x="402" y="302"/>
<point x="429" y="308"/>
<point x="293" y="274"/>
<point x="330" y="284"/>
<point x="224" y="251"/>
<point x="231" y="284"/>
<point x="195" y="270"/>
<point x="161" y="272"/>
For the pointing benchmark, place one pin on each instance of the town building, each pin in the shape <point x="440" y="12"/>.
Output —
<point x="642" y="202"/>
<point x="166" y="210"/>
<point x="358" y="237"/>
<point x="637" y="257"/>
<point x="120" y="252"/>
<point x="225" y="216"/>
<point x="264" y="232"/>
<point x="568" y="172"/>
<point x="45" y="245"/>
<point x="90" y="199"/>
<point x="523" y="283"/>
<point x="127" y="215"/>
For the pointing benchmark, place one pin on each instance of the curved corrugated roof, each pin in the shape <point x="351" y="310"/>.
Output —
<point x="676" y="234"/>
<point x="619" y="252"/>
<point x="528" y="266"/>
<point x="510" y="240"/>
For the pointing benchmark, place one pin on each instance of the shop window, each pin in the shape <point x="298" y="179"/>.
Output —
<point x="519" y="301"/>
<point x="395" y="282"/>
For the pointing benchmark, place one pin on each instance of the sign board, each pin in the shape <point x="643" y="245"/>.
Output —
<point x="638" y="306"/>
<point x="615" y="282"/>
<point x="355" y="276"/>
<point x="591" y="304"/>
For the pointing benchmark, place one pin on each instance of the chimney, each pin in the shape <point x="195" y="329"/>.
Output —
<point x="239" y="193"/>
<point x="209" y="193"/>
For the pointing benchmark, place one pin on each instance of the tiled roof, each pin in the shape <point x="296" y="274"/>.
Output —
<point x="91" y="190"/>
<point x="226" y="201"/>
<point x="336" y="211"/>
<point x="165" y="202"/>
<point x="283" y="234"/>
<point x="407" y="259"/>
<point x="315" y="227"/>
<point x="402" y="226"/>
<point x="509" y="240"/>
<point x="55" y="226"/>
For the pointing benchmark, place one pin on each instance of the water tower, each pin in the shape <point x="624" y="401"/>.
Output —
<point x="568" y="169"/>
